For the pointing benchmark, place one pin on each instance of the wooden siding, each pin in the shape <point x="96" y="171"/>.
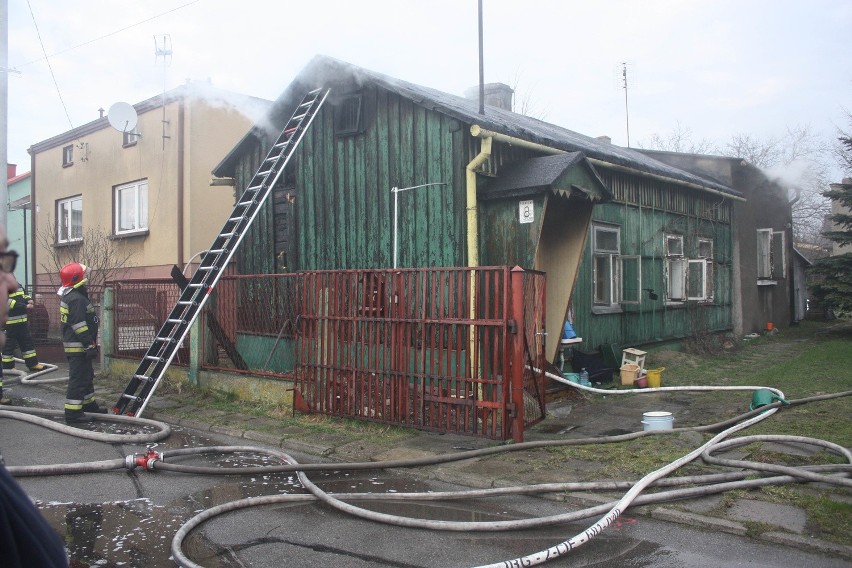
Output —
<point x="647" y="210"/>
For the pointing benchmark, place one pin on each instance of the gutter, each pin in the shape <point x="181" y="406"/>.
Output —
<point x="479" y="132"/>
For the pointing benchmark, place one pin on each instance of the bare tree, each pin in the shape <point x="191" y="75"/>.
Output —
<point x="523" y="101"/>
<point x="680" y="140"/>
<point x="106" y="257"/>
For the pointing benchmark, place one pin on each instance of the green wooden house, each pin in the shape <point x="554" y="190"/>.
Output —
<point x="480" y="187"/>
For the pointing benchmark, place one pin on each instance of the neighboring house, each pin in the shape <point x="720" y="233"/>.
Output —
<point x="515" y="191"/>
<point x="146" y="190"/>
<point x="19" y="223"/>
<point x="766" y="285"/>
<point x="837" y="208"/>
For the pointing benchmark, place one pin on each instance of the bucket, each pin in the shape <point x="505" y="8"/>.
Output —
<point x="655" y="377"/>
<point x="629" y="373"/>
<point x="573" y="377"/>
<point x="657" y="420"/>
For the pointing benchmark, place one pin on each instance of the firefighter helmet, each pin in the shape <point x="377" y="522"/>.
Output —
<point x="73" y="275"/>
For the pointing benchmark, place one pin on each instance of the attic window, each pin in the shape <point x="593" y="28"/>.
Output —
<point x="68" y="156"/>
<point x="347" y="115"/>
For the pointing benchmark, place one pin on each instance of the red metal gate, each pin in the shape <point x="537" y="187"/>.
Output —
<point x="415" y="347"/>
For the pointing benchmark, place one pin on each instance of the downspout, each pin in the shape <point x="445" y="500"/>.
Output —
<point x="472" y="209"/>
<point x="180" y="174"/>
<point x="33" y="217"/>
<point x="473" y="239"/>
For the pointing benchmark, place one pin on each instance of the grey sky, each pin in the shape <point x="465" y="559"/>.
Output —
<point x="715" y="67"/>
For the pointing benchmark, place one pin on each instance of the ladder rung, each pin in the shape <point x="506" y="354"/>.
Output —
<point x="236" y="219"/>
<point x="227" y="235"/>
<point x="175" y="320"/>
<point x="186" y="303"/>
<point x="153" y="358"/>
<point x="131" y="397"/>
<point x="208" y="268"/>
<point x="195" y="285"/>
<point x="265" y="173"/>
<point x="145" y="378"/>
<point x="300" y="117"/>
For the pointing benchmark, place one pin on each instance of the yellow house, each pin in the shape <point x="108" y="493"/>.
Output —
<point x="133" y="202"/>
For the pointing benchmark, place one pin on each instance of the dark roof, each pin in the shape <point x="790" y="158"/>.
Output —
<point x="542" y="173"/>
<point x="325" y="71"/>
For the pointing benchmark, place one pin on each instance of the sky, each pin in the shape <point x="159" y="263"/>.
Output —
<point x="714" y="68"/>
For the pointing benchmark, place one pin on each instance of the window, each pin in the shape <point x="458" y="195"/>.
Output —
<point x="129" y="138"/>
<point x="606" y="243"/>
<point x="676" y="269"/>
<point x="689" y="278"/>
<point x="131" y="207"/>
<point x="771" y="263"/>
<point x="68" y="156"/>
<point x="347" y="115"/>
<point x="69" y="220"/>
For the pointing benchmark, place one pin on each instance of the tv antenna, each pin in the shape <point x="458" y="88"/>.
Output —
<point x="166" y="53"/>
<point x="626" y="110"/>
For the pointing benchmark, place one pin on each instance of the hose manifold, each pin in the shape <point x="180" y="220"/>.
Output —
<point x="146" y="461"/>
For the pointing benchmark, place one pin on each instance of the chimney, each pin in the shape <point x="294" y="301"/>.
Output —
<point x="604" y="139"/>
<point x="11" y="170"/>
<point x="496" y="94"/>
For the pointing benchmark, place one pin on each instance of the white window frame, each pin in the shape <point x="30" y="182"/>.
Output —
<point x="602" y="255"/>
<point x="137" y="194"/>
<point x="68" y="229"/>
<point x="771" y="256"/>
<point x="67" y="155"/>
<point x="676" y="269"/>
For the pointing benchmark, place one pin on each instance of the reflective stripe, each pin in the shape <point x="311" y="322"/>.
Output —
<point x="8" y="359"/>
<point x="72" y="406"/>
<point x="16" y="319"/>
<point x="78" y="327"/>
<point x="75" y="349"/>
<point x="28" y="354"/>
<point x="68" y="344"/>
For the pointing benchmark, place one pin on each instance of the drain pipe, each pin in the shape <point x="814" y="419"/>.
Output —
<point x="473" y="234"/>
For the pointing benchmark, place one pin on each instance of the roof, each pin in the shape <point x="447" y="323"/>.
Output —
<point x="200" y="90"/>
<point x="544" y="173"/>
<point x="323" y="71"/>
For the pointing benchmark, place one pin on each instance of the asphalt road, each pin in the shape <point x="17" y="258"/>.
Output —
<point x="121" y="518"/>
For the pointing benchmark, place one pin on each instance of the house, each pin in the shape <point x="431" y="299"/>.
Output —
<point x="143" y="194"/>
<point x="490" y="188"/>
<point x="19" y="224"/>
<point x="767" y="284"/>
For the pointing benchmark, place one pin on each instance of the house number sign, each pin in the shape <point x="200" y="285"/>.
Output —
<point x="527" y="211"/>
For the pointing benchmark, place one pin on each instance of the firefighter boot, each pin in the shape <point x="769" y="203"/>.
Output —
<point x="77" y="417"/>
<point x="35" y="368"/>
<point x="93" y="408"/>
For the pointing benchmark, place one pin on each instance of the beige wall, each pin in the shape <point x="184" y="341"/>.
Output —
<point x="101" y="163"/>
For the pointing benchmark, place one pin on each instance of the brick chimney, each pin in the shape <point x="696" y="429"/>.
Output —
<point x="496" y="94"/>
<point x="11" y="170"/>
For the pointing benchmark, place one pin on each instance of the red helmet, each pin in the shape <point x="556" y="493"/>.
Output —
<point x="73" y="275"/>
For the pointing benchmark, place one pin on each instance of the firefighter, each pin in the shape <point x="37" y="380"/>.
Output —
<point x="80" y="340"/>
<point x="18" y="333"/>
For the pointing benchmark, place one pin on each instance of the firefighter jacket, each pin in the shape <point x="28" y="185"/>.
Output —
<point x="79" y="321"/>
<point x="17" y="308"/>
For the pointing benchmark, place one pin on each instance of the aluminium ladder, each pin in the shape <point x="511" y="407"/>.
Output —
<point x="150" y="371"/>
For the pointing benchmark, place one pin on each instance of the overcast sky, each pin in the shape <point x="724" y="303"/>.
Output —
<point x="717" y="68"/>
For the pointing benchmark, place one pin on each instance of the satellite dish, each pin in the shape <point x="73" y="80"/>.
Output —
<point x="122" y="117"/>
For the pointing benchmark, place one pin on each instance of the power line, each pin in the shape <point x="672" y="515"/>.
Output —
<point x="49" y="66"/>
<point x="66" y="50"/>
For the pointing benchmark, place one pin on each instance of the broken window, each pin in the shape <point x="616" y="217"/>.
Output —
<point x="771" y="262"/>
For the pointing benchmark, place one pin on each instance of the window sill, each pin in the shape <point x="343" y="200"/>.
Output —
<point x="67" y="164"/>
<point x="601" y="310"/>
<point x="767" y="282"/>
<point x="130" y="234"/>
<point x="68" y="243"/>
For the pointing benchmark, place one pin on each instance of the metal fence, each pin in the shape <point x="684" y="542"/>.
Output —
<point x="44" y="317"/>
<point x="411" y="347"/>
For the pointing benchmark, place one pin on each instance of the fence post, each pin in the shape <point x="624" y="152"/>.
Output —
<point x="107" y="328"/>
<point x="516" y="353"/>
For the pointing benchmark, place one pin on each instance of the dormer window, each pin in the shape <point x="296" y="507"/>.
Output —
<point x="347" y="115"/>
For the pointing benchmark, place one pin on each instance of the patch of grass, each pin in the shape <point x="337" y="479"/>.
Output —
<point x="827" y="519"/>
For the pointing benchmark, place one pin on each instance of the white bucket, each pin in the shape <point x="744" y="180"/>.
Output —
<point x="657" y="420"/>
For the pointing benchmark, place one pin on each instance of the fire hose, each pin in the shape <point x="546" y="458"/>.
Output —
<point x="151" y="460"/>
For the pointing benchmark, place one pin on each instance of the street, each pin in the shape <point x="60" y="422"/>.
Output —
<point x="121" y="518"/>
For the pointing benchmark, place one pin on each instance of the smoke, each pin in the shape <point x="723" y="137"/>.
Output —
<point x="254" y="109"/>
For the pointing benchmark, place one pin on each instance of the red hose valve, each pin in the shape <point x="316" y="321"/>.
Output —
<point x="145" y="461"/>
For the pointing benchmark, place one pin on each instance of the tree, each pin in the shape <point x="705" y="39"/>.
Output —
<point x="833" y="275"/>
<point x="107" y="258"/>
<point x="680" y="140"/>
